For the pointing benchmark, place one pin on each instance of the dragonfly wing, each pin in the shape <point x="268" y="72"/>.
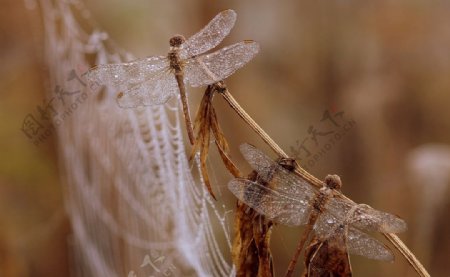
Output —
<point x="325" y="224"/>
<point x="279" y="177"/>
<point x="362" y="244"/>
<point x="217" y="66"/>
<point x="257" y="159"/>
<point x="366" y="217"/>
<point x="154" y="91"/>
<point x="358" y="243"/>
<point x="210" y="36"/>
<point x="273" y="203"/>
<point x="123" y="76"/>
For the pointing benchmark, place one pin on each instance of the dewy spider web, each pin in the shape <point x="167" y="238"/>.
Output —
<point x="135" y="207"/>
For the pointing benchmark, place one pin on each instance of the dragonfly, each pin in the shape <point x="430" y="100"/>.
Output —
<point x="156" y="79"/>
<point x="285" y="198"/>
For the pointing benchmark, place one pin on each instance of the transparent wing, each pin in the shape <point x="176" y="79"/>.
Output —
<point x="275" y="204"/>
<point x="358" y="243"/>
<point x="270" y="171"/>
<point x="210" y="68"/>
<point x="124" y="76"/>
<point x="156" y="90"/>
<point x="210" y="36"/>
<point x="365" y="217"/>
<point x="362" y="244"/>
<point x="259" y="161"/>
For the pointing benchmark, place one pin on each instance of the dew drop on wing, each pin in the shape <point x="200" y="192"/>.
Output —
<point x="210" y="36"/>
<point x="124" y="76"/>
<point x="275" y="205"/>
<point x="358" y="242"/>
<point x="152" y="92"/>
<point x="366" y="217"/>
<point x="362" y="244"/>
<point x="257" y="159"/>
<point x="208" y="69"/>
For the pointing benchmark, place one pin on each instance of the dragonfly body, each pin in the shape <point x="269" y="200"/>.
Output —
<point x="177" y="66"/>
<point x="320" y="201"/>
<point x="332" y="184"/>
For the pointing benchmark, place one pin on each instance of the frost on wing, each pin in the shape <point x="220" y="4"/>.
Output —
<point x="219" y="65"/>
<point x="124" y="76"/>
<point x="210" y="36"/>
<point x="155" y="91"/>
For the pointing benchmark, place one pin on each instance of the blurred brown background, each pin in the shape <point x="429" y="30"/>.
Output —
<point x="385" y="64"/>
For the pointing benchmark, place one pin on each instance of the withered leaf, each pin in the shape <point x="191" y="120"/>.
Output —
<point x="250" y="251"/>
<point x="328" y="256"/>
<point x="205" y="123"/>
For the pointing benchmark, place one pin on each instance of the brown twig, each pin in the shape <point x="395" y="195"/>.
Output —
<point x="409" y="256"/>
<point x="298" y="250"/>
<point x="222" y="89"/>
<point x="393" y="238"/>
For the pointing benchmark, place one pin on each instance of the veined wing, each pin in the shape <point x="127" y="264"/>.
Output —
<point x="210" y="36"/>
<point x="279" y="177"/>
<point x="365" y="217"/>
<point x="358" y="243"/>
<point x="362" y="244"/>
<point x="156" y="90"/>
<point x="259" y="161"/>
<point x="124" y="76"/>
<point x="210" y="68"/>
<point x="274" y="203"/>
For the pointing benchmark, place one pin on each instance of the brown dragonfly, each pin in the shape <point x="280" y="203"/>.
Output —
<point x="154" y="80"/>
<point x="286" y="198"/>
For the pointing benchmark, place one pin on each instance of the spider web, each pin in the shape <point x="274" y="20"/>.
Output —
<point x="135" y="207"/>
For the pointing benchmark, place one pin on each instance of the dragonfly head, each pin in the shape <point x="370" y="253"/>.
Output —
<point x="177" y="40"/>
<point x="333" y="182"/>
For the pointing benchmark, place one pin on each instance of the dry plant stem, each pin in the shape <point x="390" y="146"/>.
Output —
<point x="244" y="115"/>
<point x="300" y="246"/>
<point x="265" y="137"/>
<point x="398" y="243"/>
<point x="394" y="239"/>
<point x="184" y="102"/>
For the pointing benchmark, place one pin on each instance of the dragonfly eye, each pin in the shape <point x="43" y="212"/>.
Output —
<point x="177" y="40"/>
<point x="333" y="182"/>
